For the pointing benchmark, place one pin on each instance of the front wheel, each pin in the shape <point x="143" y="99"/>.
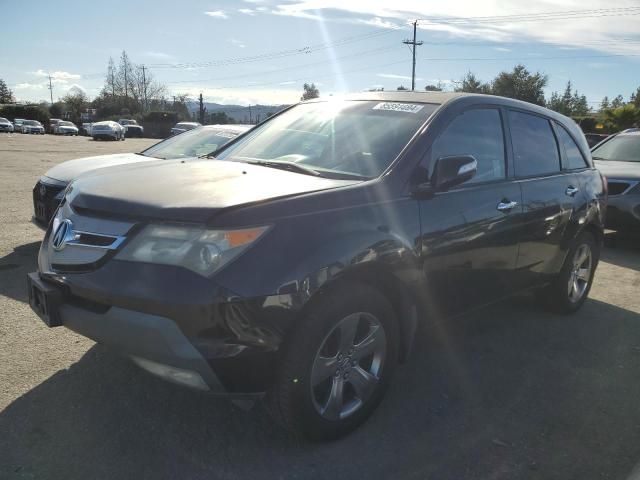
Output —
<point x="337" y="364"/>
<point x="570" y="289"/>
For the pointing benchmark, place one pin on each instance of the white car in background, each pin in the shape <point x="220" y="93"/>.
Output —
<point x="32" y="126"/>
<point x="181" y="127"/>
<point x="5" y="125"/>
<point x="65" y="128"/>
<point x="107" y="130"/>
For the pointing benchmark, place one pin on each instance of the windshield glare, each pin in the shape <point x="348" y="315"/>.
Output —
<point x="359" y="138"/>
<point x="624" y="148"/>
<point x="192" y="143"/>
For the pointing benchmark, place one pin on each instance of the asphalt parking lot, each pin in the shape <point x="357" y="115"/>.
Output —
<point x="508" y="392"/>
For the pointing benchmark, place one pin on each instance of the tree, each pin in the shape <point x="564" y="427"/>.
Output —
<point x="604" y="105"/>
<point x="617" y="102"/>
<point x="626" y="116"/>
<point x="402" y="87"/>
<point x="75" y="101"/>
<point x="434" y="88"/>
<point x="635" y="98"/>
<point x="470" y="84"/>
<point x="6" y="95"/>
<point x="520" y="84"/>
<point x="310" y="91"/>
<point x="128" y="88"/>
<point x="570" y="104"/>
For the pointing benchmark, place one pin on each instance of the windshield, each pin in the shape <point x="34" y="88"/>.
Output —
<point x="193" y="143"/>
<point x="359" y="138"/>
<point x="31" y="122"/>
<point x="66" y="124"/>
<point x="625" y="148"/>
<point x="4" y="120"/>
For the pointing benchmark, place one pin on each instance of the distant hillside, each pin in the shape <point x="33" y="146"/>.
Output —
<point x="252" y="114"/>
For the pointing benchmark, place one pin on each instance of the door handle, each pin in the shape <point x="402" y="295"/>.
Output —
<point x="571" y="191"/>
<point x="506" y="206"/>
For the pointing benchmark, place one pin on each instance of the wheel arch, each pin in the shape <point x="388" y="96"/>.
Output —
<point x="391" y="287"/>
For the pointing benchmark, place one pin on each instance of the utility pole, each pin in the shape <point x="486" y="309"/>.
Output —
<point x="144" y="88"/>
<point x="414" y="44"/>
<point x="51" y="89"/>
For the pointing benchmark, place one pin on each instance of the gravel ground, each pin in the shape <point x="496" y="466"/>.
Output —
<point x="509" y="392"/>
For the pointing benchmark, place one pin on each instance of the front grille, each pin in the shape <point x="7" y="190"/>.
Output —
<point x="617" y="187"/>
<point x="44" y="201"/>
<point x="91" y="242"/>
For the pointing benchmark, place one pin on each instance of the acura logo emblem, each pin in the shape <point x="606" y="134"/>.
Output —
<point x="62" y="234"/>
<point x="43" y="190"/>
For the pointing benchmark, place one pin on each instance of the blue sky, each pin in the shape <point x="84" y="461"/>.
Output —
<point x="354" y="44"/>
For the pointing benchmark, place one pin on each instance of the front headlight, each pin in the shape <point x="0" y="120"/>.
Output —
<point x="201" y="250"/>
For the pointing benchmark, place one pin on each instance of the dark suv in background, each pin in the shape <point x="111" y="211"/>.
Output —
<point x="300" y="263"/>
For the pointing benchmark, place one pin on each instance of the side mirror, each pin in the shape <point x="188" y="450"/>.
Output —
<point x="452" y="171"/>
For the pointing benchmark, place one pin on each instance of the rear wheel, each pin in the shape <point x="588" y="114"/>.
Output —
<point x="337" y="365"/>
<point x="570" y="289"/>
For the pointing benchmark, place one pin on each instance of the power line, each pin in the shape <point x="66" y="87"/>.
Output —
<point x="359" y="54"/>
<point x="520" y="59"/>
<point x="305" y="50"/>
<point x="533" y="17"/>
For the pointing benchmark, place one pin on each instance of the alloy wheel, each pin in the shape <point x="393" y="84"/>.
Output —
<point x="580" y="273"/>
<point x="346" y="369"/>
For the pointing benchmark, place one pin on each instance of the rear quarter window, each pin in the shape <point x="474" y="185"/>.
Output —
<point x="573" y="156"/>
<point x="535" y="150"/>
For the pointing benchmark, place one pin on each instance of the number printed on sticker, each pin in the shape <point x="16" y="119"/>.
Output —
<point x="399" y="107"/>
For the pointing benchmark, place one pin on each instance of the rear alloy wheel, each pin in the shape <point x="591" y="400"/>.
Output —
<point x="570" y="289"/>
<point x="337" y="364"/>
<point x="580" y="273"/>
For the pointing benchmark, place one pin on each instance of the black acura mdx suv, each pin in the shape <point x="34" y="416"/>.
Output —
<point x="300" y="263"/>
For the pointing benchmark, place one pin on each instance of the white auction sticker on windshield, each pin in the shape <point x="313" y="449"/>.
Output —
<point x="399" y="107"/>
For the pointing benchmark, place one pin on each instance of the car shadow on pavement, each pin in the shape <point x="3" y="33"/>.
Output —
<point x="14" y="268"/>
<point x="509" y="392"/>
<point x="622" y="250"/>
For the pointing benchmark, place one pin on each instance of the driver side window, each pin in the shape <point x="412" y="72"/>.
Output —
<point x="476" y="132"/>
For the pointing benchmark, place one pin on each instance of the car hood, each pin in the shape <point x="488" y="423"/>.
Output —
<point x="67" y="171"/>
<point x="188" y="191"/>
<point x="621" y="170"/>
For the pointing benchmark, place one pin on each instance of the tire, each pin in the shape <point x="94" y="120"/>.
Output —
<point x="561" y="296"/>
<point x="311" y="353"/>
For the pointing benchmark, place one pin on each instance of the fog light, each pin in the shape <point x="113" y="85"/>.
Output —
<point x="172" y="374"/>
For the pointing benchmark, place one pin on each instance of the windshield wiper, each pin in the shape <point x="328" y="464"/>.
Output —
<point x="289" y="166"/>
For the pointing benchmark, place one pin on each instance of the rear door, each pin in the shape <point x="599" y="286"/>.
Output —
<point x="549" y="194"/>
<point x="470" y="234"/>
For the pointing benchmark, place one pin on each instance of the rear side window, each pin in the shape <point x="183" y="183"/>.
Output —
<point x="479" y="133"/>
<point x="573" y="156"/>
<point x="535" y="150"/>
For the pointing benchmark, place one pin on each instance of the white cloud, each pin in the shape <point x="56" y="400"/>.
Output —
<point x="159" y="55"/>
<point x="597" y="32"/>
<point x="58" y="77"/>
<point x="247" y="11"/>
<point x="217" y="14"/>
<point x="396" y="77"/>
<point x="28" y="86"/>
<point x="502" y="49"/>
<point x="378" y="22"/>
<point x="236" y="42"/>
